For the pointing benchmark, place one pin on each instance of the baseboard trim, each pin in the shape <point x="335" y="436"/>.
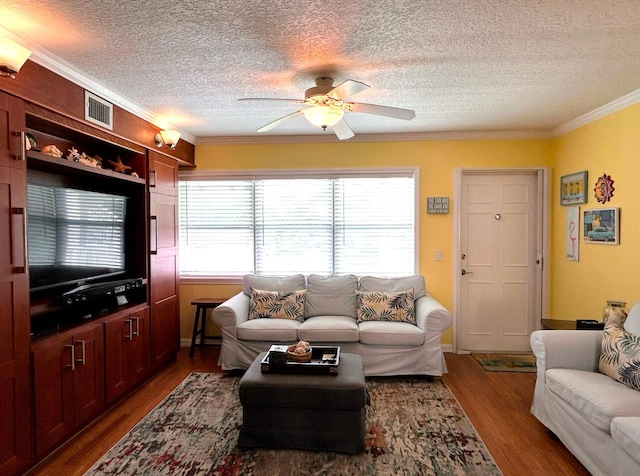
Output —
<point x="217" y="341"/>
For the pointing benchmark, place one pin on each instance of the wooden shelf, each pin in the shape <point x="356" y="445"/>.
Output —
<point x="47" y="163"/>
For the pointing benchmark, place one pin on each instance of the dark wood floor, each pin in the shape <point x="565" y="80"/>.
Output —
<point x="497" y="403"/>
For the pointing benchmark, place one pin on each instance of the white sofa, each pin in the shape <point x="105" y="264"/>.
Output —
<point x="386" y="348"/>
<point x="596" y="417"/>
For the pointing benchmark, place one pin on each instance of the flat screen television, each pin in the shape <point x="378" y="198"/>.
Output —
<point x="75" y="236"/>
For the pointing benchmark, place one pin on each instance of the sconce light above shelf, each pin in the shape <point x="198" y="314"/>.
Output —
<point x="12" y="57"/>
<point x="169" y="138"/>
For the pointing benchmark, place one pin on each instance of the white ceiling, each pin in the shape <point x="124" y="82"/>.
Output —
<point x="462" y="65"/>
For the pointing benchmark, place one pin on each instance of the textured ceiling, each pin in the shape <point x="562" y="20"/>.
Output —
<point x="462" y="65"/>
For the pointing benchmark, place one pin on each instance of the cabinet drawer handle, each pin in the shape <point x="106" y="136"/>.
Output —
<point x="153" y="238"/>
<point x="137" y="331"/>
<point x="21" y="259"/>
<point x="22" y="147"/>
<point x="83" y="360"/>
<point x="73" y="356"/>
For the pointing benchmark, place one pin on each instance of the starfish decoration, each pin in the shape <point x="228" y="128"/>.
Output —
<point x="118" y="166"/>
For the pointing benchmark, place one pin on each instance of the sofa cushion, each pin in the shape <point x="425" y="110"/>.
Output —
<point x="331" y="295"/>
<point x="269" y="330"/>
<point x="396" y="306"/>
<point x="416" y="281"/>
<point x="598" y="397"/>
<point x="390" y="334"/>
<point x="329" y="329"/>
<point x="625" y="431"/>
<point x="290" y="283"/>
<point x="277" y="305"/>
<point x="620" y="355"/>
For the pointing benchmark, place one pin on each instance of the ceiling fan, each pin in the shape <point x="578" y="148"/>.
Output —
<point x="327" y="103"/>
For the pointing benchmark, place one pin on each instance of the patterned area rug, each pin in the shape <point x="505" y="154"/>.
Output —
<point x="414" y="427"/>
<point x="506" y="362"/>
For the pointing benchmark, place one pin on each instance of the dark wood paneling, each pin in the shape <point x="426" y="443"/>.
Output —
<point x="15" y="393"/>
<point x="42" y="87"/>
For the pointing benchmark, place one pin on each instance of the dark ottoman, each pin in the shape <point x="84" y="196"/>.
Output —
<point x="308" y="412"/>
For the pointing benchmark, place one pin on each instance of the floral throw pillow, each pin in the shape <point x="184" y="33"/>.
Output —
<point x="620" y="355"/>
<point x="277" y="305"/>
<point x="386" y="306"/>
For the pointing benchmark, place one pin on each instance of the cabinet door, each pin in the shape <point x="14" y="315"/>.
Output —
<point x="88" y="378"/>
<point x="163" y="174"/>
<point x="116" y="344"/>
<point x="163" y="279"/>
<point x="53" y="392"/>
<point x="127" y="356"/>
<point x="139" y="363"/>
<point x="165" y="332"/>
<point x="12" y="129"/>
<point x="15" y="392"/>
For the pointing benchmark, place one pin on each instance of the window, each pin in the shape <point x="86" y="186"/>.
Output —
<point x="329" y="222"/>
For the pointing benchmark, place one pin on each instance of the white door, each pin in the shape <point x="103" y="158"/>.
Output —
<point x="499" y="290"/>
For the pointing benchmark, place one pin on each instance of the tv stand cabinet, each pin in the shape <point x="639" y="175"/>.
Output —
<point x="55" y="384"/>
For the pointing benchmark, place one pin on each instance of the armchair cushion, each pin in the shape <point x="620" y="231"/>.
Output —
<point x="620" y="355"/>
<point x="632" y="323"/>
<point x="594" y="395"/>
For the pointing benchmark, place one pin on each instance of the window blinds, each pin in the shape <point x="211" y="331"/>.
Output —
<point x="275" y="226"/>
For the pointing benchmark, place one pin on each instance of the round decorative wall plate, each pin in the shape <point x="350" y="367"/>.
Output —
<point x="604" y="188"/>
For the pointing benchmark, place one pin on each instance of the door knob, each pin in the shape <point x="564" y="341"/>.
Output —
<point x="464" y="271"/>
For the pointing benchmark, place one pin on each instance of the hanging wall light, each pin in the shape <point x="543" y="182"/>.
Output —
<point x="170" y="138"/>
<point x="12" y="57"/>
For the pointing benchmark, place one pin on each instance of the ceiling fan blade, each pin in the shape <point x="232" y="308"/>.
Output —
<point x="277" y="122"/>
<point x="271" y="99"/>
<point x="342" y="130"/>
<point x="395" y="112"/>
<point x="347" y="89"/>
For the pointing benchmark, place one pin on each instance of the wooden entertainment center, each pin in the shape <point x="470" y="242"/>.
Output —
<point x="63" y="365"/>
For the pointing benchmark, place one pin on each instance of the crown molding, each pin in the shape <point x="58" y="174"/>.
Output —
<point x="614" y="106"/>
<point x="399" y="137"/>
<point x="69" y="72"/>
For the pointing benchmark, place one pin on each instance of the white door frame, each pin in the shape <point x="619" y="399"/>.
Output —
<point x="543" y="221"/>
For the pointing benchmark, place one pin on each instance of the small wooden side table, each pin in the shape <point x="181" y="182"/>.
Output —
<point x="560" y="324"/>
<point x="200" y="320"/>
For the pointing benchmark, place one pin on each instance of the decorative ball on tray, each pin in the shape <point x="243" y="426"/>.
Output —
<point x="300" y="352"/>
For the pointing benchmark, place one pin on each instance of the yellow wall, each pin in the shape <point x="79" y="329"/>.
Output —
<point x="609" y="145"/>
<point x="436" y="160"/>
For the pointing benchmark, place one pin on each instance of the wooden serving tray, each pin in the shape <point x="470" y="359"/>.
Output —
<point x="324" y="360"/>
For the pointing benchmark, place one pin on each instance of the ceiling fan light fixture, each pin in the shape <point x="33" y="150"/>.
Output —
<point x="323" y="116"/>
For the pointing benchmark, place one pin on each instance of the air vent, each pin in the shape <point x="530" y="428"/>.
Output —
<point x="98" y="111"/>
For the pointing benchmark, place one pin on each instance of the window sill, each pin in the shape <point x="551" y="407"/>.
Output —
<point x="210" y="279"/>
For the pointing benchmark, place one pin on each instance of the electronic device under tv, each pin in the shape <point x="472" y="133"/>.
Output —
<point x="76" y="238"/>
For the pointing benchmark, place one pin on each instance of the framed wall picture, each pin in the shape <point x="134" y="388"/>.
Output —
<point x="601" y="225"/>
<point x="572" y="188"/>
<point x="573" y="234"/>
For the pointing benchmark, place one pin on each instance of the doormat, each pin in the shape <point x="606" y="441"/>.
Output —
<point x="506" y="362"/>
